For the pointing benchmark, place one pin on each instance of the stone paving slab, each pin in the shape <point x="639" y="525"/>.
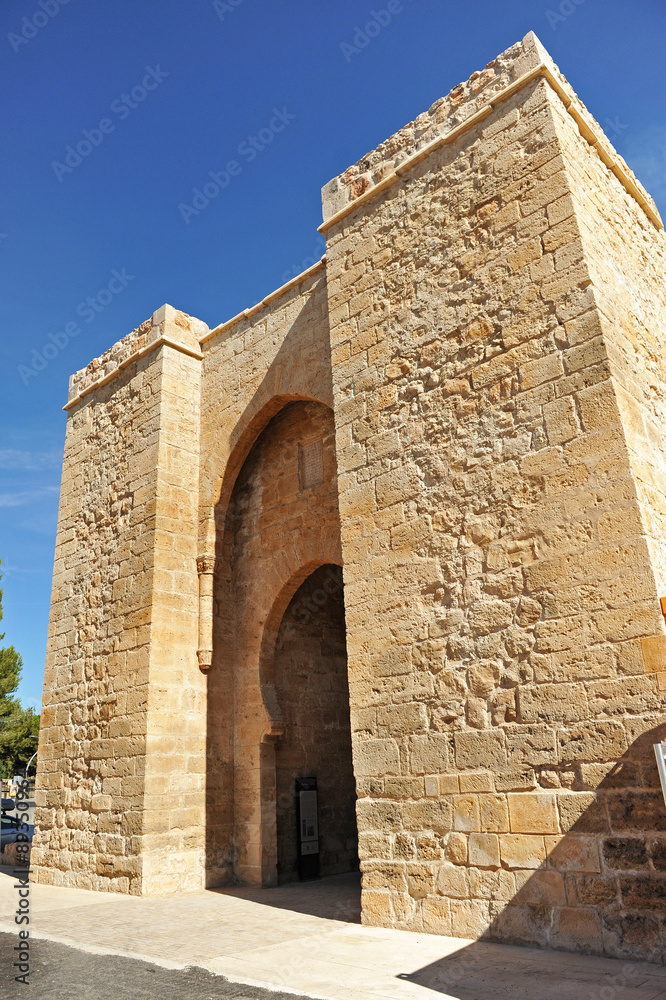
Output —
<point x="307" y="939"/>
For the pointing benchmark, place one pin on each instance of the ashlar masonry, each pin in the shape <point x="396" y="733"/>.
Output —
<point x="399" y="528"/>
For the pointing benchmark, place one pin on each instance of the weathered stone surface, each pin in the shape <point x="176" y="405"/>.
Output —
<point x="462" y="406"/>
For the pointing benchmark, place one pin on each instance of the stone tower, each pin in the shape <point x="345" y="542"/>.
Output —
<point x="399" y="526"/>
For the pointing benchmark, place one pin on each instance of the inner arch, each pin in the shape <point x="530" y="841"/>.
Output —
<point x="310" y="679"/>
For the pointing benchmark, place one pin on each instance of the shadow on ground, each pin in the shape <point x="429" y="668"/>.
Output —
<point x="336" y="897"/>
<point x="485" y="969"/>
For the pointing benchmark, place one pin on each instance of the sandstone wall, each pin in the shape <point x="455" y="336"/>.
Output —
<point x="121" y="762"/>
<point x="626" y="258"/>
<point x="463" y="407"/>
<point x="498" y="578"/>
<point x="266" y="392"/>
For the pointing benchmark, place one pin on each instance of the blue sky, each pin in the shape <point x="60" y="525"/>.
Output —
<point x="168" y="92"/>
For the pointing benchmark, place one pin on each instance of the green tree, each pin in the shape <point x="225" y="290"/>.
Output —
<point x="18" y="726"/>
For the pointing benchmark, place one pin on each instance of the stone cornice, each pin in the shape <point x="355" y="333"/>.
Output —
<point x="223" y="327"/>
<point x="109" y="377"/>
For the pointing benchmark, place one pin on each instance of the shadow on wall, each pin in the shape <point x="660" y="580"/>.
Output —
<point x="600" y="891"/>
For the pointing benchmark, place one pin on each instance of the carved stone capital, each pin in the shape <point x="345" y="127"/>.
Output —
<point x="205" y="565"/>
<point x="274" y="732"/>
<point x="205" y="658"/>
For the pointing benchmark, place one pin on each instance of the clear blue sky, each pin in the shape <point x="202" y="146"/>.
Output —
<point x="216" y="77"/>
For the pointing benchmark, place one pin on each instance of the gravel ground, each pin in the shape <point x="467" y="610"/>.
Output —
<point x="61" y="973"/>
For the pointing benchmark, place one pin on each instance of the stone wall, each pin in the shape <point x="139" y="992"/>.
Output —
<point x="254" y="365"/>
<point x="461" y="406"/>
<point x="120" y="788"/>
<point x="500" y="588"/>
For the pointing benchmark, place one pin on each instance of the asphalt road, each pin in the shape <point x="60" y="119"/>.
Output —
<point x="61" y="973"/>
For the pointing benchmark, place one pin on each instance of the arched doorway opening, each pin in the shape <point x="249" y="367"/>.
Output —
<point x="278" y="552"/>
<point x="310" y="681"/>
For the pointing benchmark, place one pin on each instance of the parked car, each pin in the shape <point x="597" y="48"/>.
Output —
<point x="11" y="828"/>
<point x="8" y="805"/>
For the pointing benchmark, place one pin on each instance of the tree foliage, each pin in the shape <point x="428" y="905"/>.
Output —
<point x="18" y="726"/>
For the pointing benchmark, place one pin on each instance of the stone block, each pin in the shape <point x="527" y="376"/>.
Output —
<point x="452" y="882"/>
<point x="456" y="848"/>
<point x="476" y="750"/>
<point x="429" y="754"/>
<point x="470" y="918"/>
<point x="482" y="781"/>
<point x="561" y="421"/>
<point x="376" y="908"/>
<point x="533" y="812"/>
<point x="577" y="929"/>
<point x="633" y="811"/>
<point x="494" y="813"/>
<point x="516" y="779"/>
<point x="436" y="915"/>
<point x="573" y="853"/>
<point x="592" y="741"/>
<point x="643" y="891"/>
<point x="466" y="813"/>
<point x="552" y="703"/>
<point x="378" y="815"/>
<point x="653" y="648"/>
<point x="534" y="745"/>
<point x="376" y="757"/>
<point x="420" y="880"/>
<point x="582" y="812"/>
<point x="401" y="720"/>
<point x="427" y="815"/>
<point x="484" y="850"/>
<point x="542" y="888"/>
<point x="635" y="935"/>
<point x="403" y="788"/>
<point x="624" y="854"/>
<point x="397" y="486"/>
<point x="518" y="850"/>
<point x="521" y="924"/>
<point x="431" y="782"/>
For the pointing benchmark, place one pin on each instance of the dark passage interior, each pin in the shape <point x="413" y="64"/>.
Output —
<point x="310" y="674"/>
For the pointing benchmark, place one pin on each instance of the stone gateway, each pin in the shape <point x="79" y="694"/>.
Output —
<point x="399" y="527"/>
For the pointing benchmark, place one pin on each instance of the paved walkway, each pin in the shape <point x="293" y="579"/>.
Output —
<point x="308" y="939"/>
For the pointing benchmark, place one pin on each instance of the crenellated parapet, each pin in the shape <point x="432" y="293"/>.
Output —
<point x="166" y="326"/>
<point x="467" y="105"/>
